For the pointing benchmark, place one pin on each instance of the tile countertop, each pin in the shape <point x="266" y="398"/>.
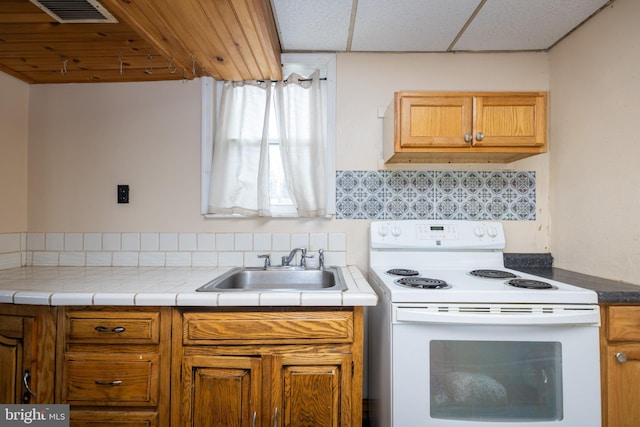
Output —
<point x="160" y="286"/>
<point x="609" y="291"/>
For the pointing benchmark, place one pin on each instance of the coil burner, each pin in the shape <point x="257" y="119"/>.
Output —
<point x="493" y="274"/>
<point x="402" y="272"/>
<point x="423" y="283"/>
<point x="530" y="284"/>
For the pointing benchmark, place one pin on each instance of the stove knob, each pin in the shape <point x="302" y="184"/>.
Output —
<point x="479" y="230"/>
<point x="492" y="232"/>
<point x="395" y="230"/>
<point x="383" y="230"/>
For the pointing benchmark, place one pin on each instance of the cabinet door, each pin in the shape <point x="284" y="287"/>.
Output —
<point x="221" y="391"/>
<point x="510" y="120"/>
<point x="623" y="385"/>
<point x="433" y="121"/>
<point x="311" y="390"/>
<point x="16" y="343"/>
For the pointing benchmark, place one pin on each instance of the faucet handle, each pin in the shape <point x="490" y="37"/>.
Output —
<point x="303" y="259"/>
<point x="267" y="260"/>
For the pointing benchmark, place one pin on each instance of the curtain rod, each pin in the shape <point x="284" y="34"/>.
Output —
<point x="287" y="81"/>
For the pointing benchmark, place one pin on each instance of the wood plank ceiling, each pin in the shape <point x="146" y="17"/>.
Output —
<point x="152" y="40"/>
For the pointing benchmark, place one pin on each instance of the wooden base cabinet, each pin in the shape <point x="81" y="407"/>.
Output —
<point x="114" y="365"/>
<point x="27" y="354"/>
<point x="267" y="368"/>
<point x="620" y="359"/>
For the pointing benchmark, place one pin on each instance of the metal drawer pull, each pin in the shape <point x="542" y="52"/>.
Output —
<point x="480" y="136"/>
<point x="275" y="418"/>
<point x="255" y="415"/>
<point x="110" y="383"/>
<point x="621" y="357"/>
<point x="116" y="330"/>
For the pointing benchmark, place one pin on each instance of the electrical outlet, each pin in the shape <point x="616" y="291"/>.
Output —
<point x="123" y="194"/>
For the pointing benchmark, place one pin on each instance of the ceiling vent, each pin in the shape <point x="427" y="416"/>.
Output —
<point x="75" y="11"/>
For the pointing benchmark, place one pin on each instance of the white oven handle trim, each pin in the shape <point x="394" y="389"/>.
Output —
<point x="499" y="314"/>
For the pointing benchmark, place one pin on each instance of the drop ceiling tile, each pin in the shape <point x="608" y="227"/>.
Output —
<point x="409" y="25"/>
<point x="524" y="24"/>
<point x="305" y="25"/>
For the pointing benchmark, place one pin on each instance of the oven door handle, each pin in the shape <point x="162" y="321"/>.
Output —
<point x="561" y="316"/>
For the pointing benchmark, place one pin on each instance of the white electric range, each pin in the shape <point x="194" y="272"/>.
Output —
<point x="459" y="340"/>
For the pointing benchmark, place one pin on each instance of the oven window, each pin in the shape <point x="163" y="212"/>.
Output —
<point x="496" y="380"/>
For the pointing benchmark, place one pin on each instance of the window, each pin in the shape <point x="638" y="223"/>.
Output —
<point x="288" y="155"/>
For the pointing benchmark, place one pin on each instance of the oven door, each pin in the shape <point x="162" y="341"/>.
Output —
<point x="495" y="365"/>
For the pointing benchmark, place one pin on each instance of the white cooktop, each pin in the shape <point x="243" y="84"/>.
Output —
<point x="448" y="251"/>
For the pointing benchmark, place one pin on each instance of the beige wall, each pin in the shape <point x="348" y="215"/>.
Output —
<point x="85" y="139"/>
<point x="14" y="106"/>
<point x="595" y="166"/>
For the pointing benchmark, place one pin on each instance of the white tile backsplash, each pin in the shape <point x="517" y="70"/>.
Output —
<point x="111" y="241"/>
<point x="73" y="241"/>
<point x="243" y="242"/>
<point x="54" y="241"/>
<point x="10" y="243"/>
<point x="281" y="242"/>
<point x="262" y="241"/>
<point x="206" y="241"/>
<point x="168" y="241"/>
<point x="150" y="249"/>
<point x="224" y="242"/>
<point x="92" y="241"/>
<point x="149" y="241"/>
<point x="187" y="242"/>
<point x="130" y="241"/>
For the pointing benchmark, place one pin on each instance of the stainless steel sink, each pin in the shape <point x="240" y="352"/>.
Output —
<point x="276" y="279"/>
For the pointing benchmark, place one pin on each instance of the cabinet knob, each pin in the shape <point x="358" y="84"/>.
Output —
<point x="621" y="357"/>
<point x="480" y="136"/>
<point x="468" y="137"/>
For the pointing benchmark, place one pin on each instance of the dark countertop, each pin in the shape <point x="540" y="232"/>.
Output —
<point x="609" y="291"/>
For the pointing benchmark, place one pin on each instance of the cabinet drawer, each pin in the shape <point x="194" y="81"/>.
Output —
<point x="623" y="323"/>
<point x="111" y="379"/>
<point x="267" y="327"/>
<point x="113" y="418"/>
<point x="101" y="327"/>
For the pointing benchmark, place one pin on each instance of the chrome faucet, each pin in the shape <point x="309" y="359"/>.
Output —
<point x="267" y="260"/>
<point x="320" y="259"/>
<point x="286" y="260"/>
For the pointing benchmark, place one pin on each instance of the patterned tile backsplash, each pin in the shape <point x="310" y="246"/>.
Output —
<point x="469" y="195"/>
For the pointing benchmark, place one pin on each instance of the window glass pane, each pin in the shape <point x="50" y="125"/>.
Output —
<point x="496" y="380"/>
<point x="279" y="193"/>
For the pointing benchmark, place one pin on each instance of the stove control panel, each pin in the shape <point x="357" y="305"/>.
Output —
<point x="433" y="234"/>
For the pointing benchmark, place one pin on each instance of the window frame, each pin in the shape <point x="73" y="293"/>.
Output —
<point x="211" y="97"/>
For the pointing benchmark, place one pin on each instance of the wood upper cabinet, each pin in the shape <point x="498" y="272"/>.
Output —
<point x="620" y="360"/>
<point x="27" y="354"/>
<point x="268" y="368"/>
<point x="445" y="127"/>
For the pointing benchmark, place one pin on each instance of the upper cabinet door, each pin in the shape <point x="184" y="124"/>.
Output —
<point x="513" y="120"/>
<point x="434" y="120"/>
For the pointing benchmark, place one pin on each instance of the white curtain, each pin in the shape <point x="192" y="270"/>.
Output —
<point x="240" y="167"/>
